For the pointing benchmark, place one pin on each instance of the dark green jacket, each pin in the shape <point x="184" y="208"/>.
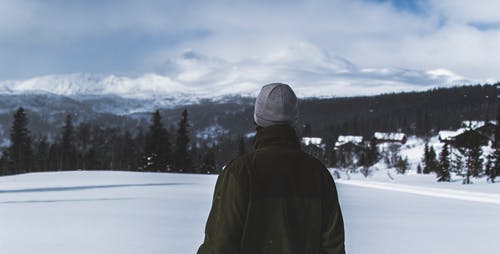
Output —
<point x="276" y="199"/>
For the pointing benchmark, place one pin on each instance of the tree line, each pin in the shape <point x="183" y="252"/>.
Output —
<point x="415" y="113"/>
<point x="93" y="147"/>
<point x="160" y="147"/>
<point x="467" y="161"/>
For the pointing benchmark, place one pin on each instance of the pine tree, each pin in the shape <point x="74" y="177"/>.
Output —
<point x="393" y="155"/>
<point x="140" y="141"/>
<point x="127" y="152"/>
<point x="363" y="162"/>
<point x="473" y="162"/>
<point x="444" y="165"/>
<point x="83" y="139"/>
<point x="333" y="162"/>
<point x="208" y="164"/>
<point x="402" y="165"/>
<point x="4" y="162"/>
<point x="54" y="156"/>
<point x="476" y="162"/>
<point x="330" y="154"/>
<point x="433" y="163"/>
<point x="373" y="153"/>
<point x="42" y="155"/>
<point x="495" y="169"/>
<point x="429" y="160"/>
<point x="91" y="159"/>
<point x="196" y="156"/>
<point x="406" y="164"/>
<point x="20" y="151"/>
<point x="182" y="160"/>
<point x="68" y="149"/>
<point x="457" y="164"/>
<point x="115" y="149"/>
<point x="419" y="169"/>
<point x="488" y="166"/>
<point x="468" y="167"/>
<point x="425" y="160"/>
<point x="157" y="146"/>
<point x="97" y="156"/>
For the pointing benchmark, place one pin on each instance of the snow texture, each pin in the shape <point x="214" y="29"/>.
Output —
<point x="125" y="212"/>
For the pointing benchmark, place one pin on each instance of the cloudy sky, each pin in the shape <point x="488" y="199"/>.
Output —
<point x="377" y="45"/>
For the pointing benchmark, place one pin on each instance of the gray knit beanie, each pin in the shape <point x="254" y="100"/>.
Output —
<point x="275" y="104"/>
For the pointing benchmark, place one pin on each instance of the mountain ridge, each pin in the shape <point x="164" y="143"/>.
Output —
<point x="232" y="115"/>
<point x="192" y="76"/>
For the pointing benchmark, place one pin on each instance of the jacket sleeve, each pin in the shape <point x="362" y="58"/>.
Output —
<point x="227" y="217"/>
<point x="332" y="237"/>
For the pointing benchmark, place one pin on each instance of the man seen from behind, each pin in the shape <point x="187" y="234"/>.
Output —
<point x="276" y="199"/>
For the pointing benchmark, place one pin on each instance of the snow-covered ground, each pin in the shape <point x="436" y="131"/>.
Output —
<point x="413" y="150"/>
<point x="125" y="212"/>
<point x="103" y="212"/>
<point x="389" y="177"/>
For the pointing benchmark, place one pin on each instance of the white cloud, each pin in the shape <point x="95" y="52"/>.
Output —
<point x="464" y="11"/>
<point x="350" y="44"/>
<point x="310" y="70"/>
<point x="368" y="34"/>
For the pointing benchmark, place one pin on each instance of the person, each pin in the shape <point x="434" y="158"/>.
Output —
<point x="276" y="199"/>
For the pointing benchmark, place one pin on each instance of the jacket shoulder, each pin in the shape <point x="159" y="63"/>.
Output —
<point x="313" y="161"/>
<point x="319" y="167"/>
<point x="240" y="165"/>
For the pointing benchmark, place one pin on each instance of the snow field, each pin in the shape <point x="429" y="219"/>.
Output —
<point x="427" y="191"/>
<point x="126" y="212"/>
<point x="103" y="212"/>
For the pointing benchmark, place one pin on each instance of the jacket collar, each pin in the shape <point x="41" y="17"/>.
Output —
<point x="276" y="135"/>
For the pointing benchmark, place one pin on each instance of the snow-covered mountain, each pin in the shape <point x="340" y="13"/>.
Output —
<point x="191" y="77"/>
<point x="194" y="78"/>
<point x="86" y="86"/>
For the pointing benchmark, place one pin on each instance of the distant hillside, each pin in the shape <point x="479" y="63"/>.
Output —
<point x="417" y="113"/>
<point x="411" y="112"/>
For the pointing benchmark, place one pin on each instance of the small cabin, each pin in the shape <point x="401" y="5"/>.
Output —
<point x="348" y="142"/>
<point x="470" y="138"/>
<point x="474" y="125"/>
<point x="389" y="137"/>
<point x="487" y="130"/>
<point x="315" y="141"/>
<point x="472" y="132"/>
<point x="448" y="136"/>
